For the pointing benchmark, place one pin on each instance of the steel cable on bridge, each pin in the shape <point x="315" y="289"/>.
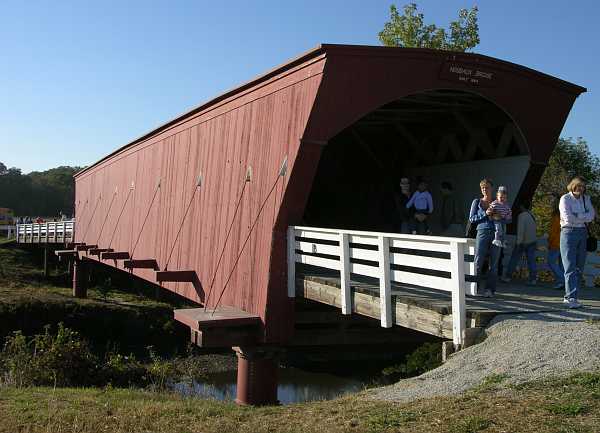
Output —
<point x="106" y="217"/>
<point x="119" y="218"/>
<point x="145" y="219"/>
<point x="282" y="172"/>
<point x="91" y="218"/>
<point x="196" y="187"/>
<point x="246" y="180"/>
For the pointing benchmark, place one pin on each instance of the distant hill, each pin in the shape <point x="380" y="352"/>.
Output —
<point x="39" y="193"/>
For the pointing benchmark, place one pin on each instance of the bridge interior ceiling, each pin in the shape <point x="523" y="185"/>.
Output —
<point x="361" y="167"/>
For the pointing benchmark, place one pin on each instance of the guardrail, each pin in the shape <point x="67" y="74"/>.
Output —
<point x="433" y="262"/>
<point x="50" y="232"/>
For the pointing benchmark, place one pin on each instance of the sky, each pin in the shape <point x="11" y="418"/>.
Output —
<point x="80" y="79"/>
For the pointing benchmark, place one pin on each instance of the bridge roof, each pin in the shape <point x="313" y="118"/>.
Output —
<point x="328" y="50"/>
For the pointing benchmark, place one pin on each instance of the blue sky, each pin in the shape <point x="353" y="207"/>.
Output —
<point x="80" y="79"/>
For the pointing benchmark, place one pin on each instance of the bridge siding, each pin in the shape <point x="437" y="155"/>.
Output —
<point x="258" y="125"/>
<point x="256" y="130"/>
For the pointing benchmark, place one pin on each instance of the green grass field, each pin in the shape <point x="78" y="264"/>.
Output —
<point x="555" y="406"/>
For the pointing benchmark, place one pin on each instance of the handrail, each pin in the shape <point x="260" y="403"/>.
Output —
<point x="387" y="257"/>
<point x="47" y="232"/>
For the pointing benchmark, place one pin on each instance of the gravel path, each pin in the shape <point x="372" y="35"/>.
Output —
<point x="522" y="347"/>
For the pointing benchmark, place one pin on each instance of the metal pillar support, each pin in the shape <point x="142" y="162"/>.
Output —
<point x="80" y="279"/>
<point x="257" y="376"/>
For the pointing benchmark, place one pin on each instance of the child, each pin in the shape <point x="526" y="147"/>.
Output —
<point x="501" y="214"/>
<point x="422" y="202"/>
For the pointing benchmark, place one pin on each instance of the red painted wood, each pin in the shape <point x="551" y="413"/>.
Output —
<point x="291" y="111"/>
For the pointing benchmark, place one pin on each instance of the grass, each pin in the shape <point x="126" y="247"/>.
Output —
<point x="541" y="407"/>
<point x="29" y="301"/>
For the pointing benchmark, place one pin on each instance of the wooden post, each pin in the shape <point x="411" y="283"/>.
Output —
<point x="46" y="271"/>
<point x="345" y="274"/>
<point x="291" y="259"/>
<point x="79" y="279"/>
<point x="385" y="283"/>
<point x="459" y="309"/>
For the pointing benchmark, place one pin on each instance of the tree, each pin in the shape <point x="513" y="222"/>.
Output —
<point x="570" y="158"/>
<point x="409" y="30"/>
<point x="43" y="193"/>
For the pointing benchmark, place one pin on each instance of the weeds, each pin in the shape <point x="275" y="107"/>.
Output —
<point x="425" y="358"/>
<point x="471" y="424"/>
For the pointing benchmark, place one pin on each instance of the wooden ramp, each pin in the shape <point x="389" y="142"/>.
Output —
<point x="430" y="311"/>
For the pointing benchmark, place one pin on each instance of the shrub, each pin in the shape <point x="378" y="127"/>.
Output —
<point x="61" y="359"/>
<point x="425" y="358"/>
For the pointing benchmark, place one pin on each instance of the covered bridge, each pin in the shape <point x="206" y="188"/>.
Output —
<point x="202" y="204"/>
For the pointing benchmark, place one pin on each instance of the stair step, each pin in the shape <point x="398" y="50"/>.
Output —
<point x="114" y="255"/>
<point x="84" y="247"/>
<point x="141" y="264"/>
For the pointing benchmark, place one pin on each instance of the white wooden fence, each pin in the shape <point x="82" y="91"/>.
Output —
<point x="49" y="232"/>
<point x="434" y="262"/>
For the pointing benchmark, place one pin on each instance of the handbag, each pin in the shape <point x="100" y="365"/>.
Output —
<point x="591" y="242"/>
<point x="471" y="230"/>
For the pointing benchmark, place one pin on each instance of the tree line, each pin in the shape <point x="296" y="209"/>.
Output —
<point x="39" y="193"/>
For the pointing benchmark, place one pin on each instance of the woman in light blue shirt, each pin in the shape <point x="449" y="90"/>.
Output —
<point x="576" y="211"/>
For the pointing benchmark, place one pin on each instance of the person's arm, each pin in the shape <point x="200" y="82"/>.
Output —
<point x="411" y="201"/>
<point x="429" y="202"/>
<point x="590" y="214"/>
<point x="475" y="215"/>
<point x="566" y="214"/>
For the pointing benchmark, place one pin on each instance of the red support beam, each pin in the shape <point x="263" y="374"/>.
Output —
<point x="114" y="255"/>
<point x="141" y="264"/>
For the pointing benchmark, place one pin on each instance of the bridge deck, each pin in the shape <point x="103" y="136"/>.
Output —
<point x="430" y="311"/>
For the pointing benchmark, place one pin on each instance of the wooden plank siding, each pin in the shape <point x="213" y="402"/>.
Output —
<point x="257" y="130"/>
<point x="290" y="112"/>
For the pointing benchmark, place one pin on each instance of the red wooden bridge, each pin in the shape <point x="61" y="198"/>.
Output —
<point x="233" y="204"/>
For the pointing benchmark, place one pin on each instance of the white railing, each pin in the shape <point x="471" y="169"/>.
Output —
<point x="49" y="232"/>
<point x="433" y="262"/>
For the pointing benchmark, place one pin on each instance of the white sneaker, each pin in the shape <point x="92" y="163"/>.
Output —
<point x="488" y="294"/>
<point x="497" y="243"/>
<point x="572" y="303"/>
<point x="505" y="279"/>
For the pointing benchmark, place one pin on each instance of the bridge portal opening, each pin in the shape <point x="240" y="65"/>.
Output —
<point x="437" y="135"/>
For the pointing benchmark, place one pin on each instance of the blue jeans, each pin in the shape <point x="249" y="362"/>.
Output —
<point x="556" y="266"/>
<point x="483" y="249"/>
<point x="529" y="250"/>
<point x="573" y="251"/>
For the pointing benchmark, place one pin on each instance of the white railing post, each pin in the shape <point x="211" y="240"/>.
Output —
<point x="459" y="309"/>
<point x="385" y="283"/>
<point x="291" y="259"/>
<point x="47" y="231"/>
<point x="345" y="274"/>
<point x="18" y="233"/>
